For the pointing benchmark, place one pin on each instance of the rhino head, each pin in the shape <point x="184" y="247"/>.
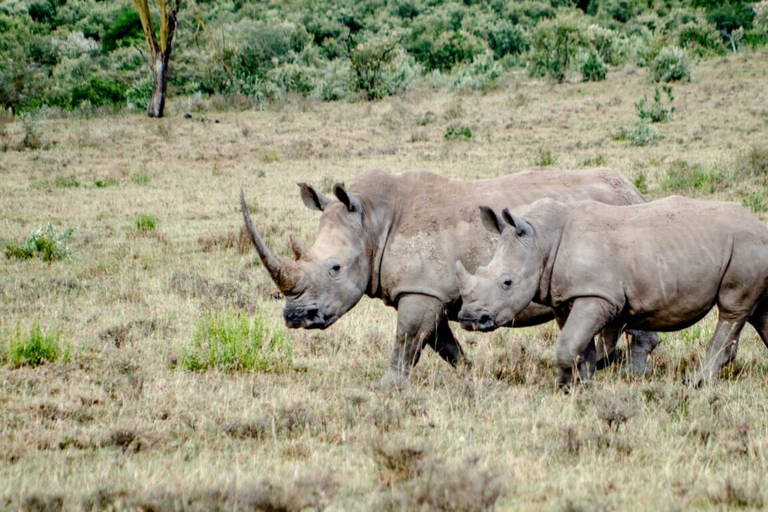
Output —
<point x="499" y="291"/>
<point x="328" y="279"/>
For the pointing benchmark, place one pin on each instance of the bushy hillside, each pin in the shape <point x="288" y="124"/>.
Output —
<point x="84" y="54"/>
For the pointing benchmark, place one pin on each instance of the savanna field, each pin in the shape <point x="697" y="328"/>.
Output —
<point x="149" y="263"/>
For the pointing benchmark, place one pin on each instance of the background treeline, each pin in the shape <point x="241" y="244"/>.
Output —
<point x="83" y="54"/>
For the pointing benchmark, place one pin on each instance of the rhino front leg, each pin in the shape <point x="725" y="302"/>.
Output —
<point x="587" y="317"/>
<point x="421" y="320"/>
<point x="721" y="351"/>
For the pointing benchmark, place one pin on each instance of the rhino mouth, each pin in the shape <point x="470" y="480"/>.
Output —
<point x="480" y="321"/>
<point x="307" y="318"/>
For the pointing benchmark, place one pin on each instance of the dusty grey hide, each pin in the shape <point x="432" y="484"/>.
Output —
<point x="396" y="238"/>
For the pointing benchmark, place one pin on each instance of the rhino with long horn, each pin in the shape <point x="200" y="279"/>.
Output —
<point x="396" y="238"/>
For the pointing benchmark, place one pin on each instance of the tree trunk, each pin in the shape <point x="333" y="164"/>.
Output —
<point x="159" y="89"/>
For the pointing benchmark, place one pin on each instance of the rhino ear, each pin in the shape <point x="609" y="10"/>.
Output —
<point x="312" y="198"/>
<point x="522" y="228"/>
<point x="491" y="220"/>
<point x="350" y="201"/>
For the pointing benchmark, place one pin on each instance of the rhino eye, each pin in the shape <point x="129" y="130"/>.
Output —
<point x="334" y="268"/>
<point x="505" y="282"/>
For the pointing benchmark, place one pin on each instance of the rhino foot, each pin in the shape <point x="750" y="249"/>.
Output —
<point x="392" y="381"/>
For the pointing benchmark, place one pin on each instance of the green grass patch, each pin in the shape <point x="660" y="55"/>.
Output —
<point x="229" y="340"/>
<point x="545" y="158"/>
<point x="48" y="243"/>
<point x="106" y="182"/>
<point x="140" y="178"/>
<point x="35" y="347"/>
<point x="457" y="132"/>
<point x="755" y="201"/>
<point x="146" y="223"/>
<point x="685" y="177"/>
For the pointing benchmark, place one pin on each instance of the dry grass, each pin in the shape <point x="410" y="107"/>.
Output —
<point x="122" y="426"/>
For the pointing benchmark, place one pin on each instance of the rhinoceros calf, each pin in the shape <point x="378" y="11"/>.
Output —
<point x="396" y="237"/>
<point x="659" y="266"/>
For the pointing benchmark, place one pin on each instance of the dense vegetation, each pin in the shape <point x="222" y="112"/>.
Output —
<point x="81" y="54"/>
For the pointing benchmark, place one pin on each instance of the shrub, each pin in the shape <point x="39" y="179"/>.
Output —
<point x="505" y="38"/>
<point x="482" y="75"/>
<point x="98" y="92"/>
<point x="46" y="242"/>
<point x="658" y="111"/>
<point x="554" y="45"/>
<point x="642" y="133"/>
<point x="369" y="60"/>
<point x="229" y="340"/>
<point x="34" y="348"/>
<point x="126" y="30"/>
<point x="684" y="177"/>
<point x="146" y="223"/>
<point x="137" y="96"/>
<point x="700" y="37"/>
<point x="670" y="65"/>
<point x="457" y="132"/>
<point x="593" y="69"/>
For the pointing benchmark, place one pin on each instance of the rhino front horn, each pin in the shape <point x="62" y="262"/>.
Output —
<point x="280" y="270"/>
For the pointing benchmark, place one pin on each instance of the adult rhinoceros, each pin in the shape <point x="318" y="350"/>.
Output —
<point x="659" y="266"/>
<point x="396" y="237"/>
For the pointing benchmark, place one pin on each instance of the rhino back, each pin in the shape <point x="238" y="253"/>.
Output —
<point x="663" y="263"/>
<point x="437" y="222"/>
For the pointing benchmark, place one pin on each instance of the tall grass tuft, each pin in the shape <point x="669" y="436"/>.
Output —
<point x="229" y="340"/>
<point x="35" y="347"/>
<point x="47" y="243"/>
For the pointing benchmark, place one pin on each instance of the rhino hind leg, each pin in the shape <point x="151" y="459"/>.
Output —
<point x="641" y="344"/>
<point x="721" y="351"/>
<point x="587" y="317"/>
<point x="760" y="322"/>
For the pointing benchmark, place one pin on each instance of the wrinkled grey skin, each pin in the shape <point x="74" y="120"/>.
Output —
<point x="396" y="237"/>
<point x="659" y="266"/>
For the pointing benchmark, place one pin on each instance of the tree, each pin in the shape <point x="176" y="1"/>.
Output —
<point x="159" y="51"/>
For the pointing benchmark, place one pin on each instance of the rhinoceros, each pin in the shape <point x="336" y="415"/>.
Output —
<point x="396" y="237"/>
<point x="660" y="266"/>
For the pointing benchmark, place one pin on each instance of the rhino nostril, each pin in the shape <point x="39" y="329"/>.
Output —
<point x="311" y="313"/>
<point x="485" y="319"/>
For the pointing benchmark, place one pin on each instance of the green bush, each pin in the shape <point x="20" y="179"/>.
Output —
<point x="593" y="69"/>
<point x="643" y="133"/>
<point x="228" y="340"/>
<point x="457" y="132"/>
<point x="140" y="178"/>
<point x="482" y="75"/>
<point x="368" y="62"/>
<point x="34" y="348"/>
<point x="670" y="65"/>
<point x="146" y="223"/>
<point x="684" y="177"/>
<point x="700" y="37"/>
<point x="126" y="30"/>
<point x="47" y="243"/>
<point x="658" y="111"/>
<point x="554" y="46"/>
<point x="98" y="92"/>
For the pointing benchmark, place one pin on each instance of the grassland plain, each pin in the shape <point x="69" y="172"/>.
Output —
<point x="117" y="424"/>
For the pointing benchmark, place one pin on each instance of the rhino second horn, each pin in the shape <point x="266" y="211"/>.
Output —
<point x="462" y="275"/>
<point x="297" y="248"/>
<point x="280" y="270"/>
